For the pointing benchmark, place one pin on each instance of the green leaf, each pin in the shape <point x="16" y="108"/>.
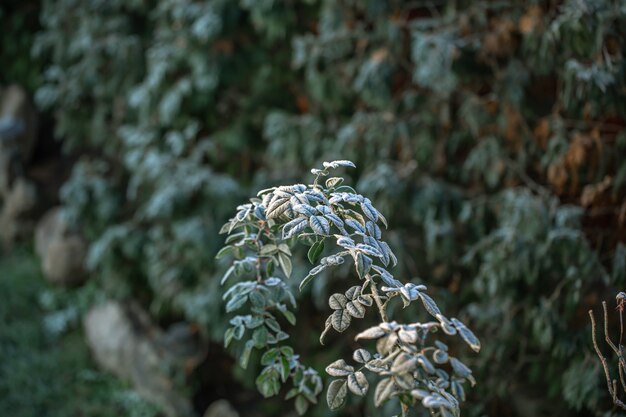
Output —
<point x="267" y="382"/>
<point x="245" y="355"/>
<point x="224" y="251"/>
<point x="268" y="249"/>
<point x="384" y="390"/>
<point x="259" y="337"/>
<point x="315" y="252"/>
<point x="227" y="274"/>
<point x="284" y="368"/>
<point x="305" y="281"/>
<point x="336" y="394"/>
<point x="228" y="336"/>
<point x="270" y="356"/>
<point x="290" y="317"/>
<point x="357" y="383"/>
<point x="285" y="264"/>
<point x="301" y="405"/>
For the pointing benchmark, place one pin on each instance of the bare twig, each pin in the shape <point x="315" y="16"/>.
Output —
<point x="611" y="384"/>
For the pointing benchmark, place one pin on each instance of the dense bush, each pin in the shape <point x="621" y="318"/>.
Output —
<point x="491" y="134"/>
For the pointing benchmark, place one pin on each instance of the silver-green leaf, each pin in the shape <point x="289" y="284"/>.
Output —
<point x="357" y="383"/>
<point x="336" y="394"/>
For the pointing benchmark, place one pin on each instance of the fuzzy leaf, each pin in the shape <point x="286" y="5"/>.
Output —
<point x="355" y="309"/>
<point x="336" y="394"/>
<point x="371" y="333"/>
<point x="363" y="264"/>
<point x="467" y="335"/>
<point x="341" y="320"/>
<point x="357" y="383"/>
<point x="384" y="390"/>
<point x="320" y="225"/>
<point x="403" y="363"/>
<point x="337" y="301"/>
<point x="339" y="163"/>
<point x="429" y="304"/>
<point x="361" y="356"/>
<point x="339" y="368"/>
<point x="369" y="210"/>
<point x="277" y="207"/>
<point x="285" y="264"/>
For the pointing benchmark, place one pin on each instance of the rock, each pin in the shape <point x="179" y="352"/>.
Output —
<point x="52" y="225"/>
<point x="62" y="250"/>
<point x="18" y="123"/>
<point x="64" y="261"/>
<point x="18" y="205"/>
<point x="124" y="341"/>
<point x="221" y="408"/>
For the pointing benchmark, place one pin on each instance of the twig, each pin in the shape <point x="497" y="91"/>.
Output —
<point x="611" y="385"/>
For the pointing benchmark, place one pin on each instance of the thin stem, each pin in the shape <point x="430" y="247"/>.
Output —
<point x="605" y="366"/>
<point x="377" y="299"/>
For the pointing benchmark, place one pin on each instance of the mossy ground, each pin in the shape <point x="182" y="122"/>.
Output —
<point x="43" y="373"/>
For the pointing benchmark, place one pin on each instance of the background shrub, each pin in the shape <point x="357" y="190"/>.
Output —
<point x="491" y="135"/>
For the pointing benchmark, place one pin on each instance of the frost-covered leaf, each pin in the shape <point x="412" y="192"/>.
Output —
<point x="294" y="227"/>
<point x="361" y="356"/>
<point x="339" y="368"/>
<point x="384" y="390"/>
<point x="467" y="335"/>
<point x="357" y="383"/>
<point x="305" y="209"/>
<point x="426" y="364"/>
<point x="345" y="242"/>
<point x="355" y="225"/>
<point x="369" y="210"/>
<point x="337" y="301"/>
<point x="371" y="333"/>
<point x="403" y="363"/>
<point x="336" y="394"/>
<point x="429" y="304"/>
<point x="436" y="401"/>
<point x="333" y="182"/>
<point x="365" y="299"/>
<point x="368" y="250"/>
<point x="320" y="225"/>
<point x="363" y="264"/>
<point x="339" y="163"/>
<point x="440" y="356"/>
<point x="355" y="309"/>
<point x="277" y="207"/>
<point x="341" y="320"/>
<point x="460" y="368"/>
<point x="285" y="264"/>
<point x="407" y="335"/>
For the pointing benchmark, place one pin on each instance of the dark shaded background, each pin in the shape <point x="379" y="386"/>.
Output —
<point x="491" y="135"/>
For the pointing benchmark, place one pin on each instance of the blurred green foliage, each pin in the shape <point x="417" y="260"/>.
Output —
<point x="491" y="135"/>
